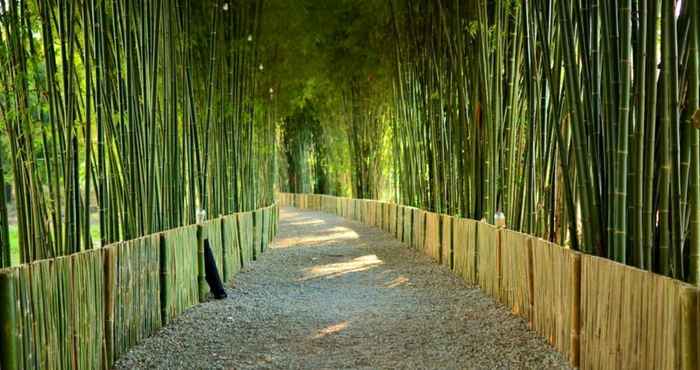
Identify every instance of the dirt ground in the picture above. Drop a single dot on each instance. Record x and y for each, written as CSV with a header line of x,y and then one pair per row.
x,y
332,293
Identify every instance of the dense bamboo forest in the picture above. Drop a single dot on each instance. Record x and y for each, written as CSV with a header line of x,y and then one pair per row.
x,y
125,118
545,151
577,121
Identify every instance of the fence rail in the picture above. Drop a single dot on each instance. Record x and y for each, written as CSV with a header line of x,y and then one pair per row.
x,y
83,311
598,313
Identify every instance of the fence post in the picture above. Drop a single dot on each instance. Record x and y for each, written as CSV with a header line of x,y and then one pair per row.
x,y
109,255
8,334
576,311
201,278
531,279
689,324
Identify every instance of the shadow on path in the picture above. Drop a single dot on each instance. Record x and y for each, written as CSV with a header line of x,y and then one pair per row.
x,y
332,293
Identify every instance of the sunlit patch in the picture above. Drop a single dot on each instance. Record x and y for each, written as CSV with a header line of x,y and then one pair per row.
x,y
306,222
334,270
334,235
331,329
401,280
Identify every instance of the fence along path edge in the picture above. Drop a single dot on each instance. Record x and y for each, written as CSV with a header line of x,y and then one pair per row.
x,y
599,313
84,310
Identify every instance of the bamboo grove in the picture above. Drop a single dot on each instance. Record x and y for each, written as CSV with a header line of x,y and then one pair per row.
x,y
335,128
144,111
576,119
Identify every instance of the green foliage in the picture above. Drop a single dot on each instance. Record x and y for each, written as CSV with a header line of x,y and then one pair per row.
x,y
333,56
145,110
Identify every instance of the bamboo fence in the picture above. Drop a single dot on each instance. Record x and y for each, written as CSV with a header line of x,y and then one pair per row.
x,y
599,313
132,293
245,237
432,236
84,310
446,240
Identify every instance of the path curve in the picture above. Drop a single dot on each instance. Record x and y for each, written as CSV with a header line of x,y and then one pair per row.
x,y
332,293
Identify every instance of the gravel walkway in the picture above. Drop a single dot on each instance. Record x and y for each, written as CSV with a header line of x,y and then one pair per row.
x,y
332,293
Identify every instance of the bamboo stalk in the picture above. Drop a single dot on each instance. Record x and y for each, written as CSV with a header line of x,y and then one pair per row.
x,y
10,359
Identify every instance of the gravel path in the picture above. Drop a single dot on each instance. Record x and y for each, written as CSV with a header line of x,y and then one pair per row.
x,y
332,293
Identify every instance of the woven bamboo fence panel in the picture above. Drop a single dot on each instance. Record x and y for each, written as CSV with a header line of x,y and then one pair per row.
x,y
392,219
328,204
45,323
369,212
285,199
446,240
267,222
346,203
213,232
132,288
179,271
379,215
464,249
341,207
376,214
132,291
88,286
317,204
516,288
631,319
265,215
386,214
232,249
44,298
269,232
488,258
418,237
408,235
258,230
362,211
432,236
557,282
353,210
335,205
400,223
245,237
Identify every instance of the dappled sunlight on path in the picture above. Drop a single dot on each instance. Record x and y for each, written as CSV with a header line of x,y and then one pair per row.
x,y
332,293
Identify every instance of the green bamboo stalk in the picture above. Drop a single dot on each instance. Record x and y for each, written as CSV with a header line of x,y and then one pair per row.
x,y
10,359
694,122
